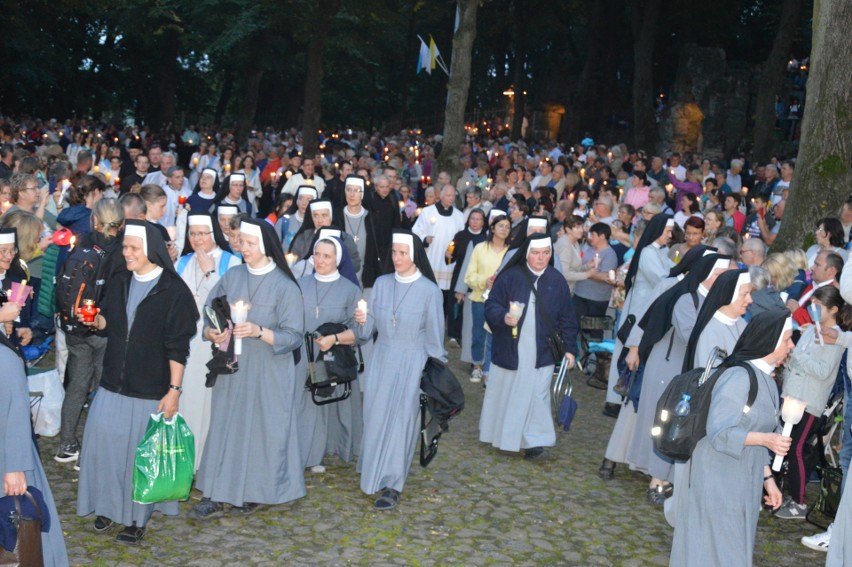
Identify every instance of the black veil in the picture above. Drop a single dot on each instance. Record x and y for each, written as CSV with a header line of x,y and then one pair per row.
x,y
653,231
218,237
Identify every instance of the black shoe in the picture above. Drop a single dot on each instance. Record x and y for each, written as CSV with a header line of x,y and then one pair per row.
x,y
536,454
206,509
657,495
388,500
607,470
68,453
611,409
103,524
246,509
131,535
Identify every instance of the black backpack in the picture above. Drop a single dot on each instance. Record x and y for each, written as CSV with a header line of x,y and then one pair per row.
x,y
80,277
442,398
675,437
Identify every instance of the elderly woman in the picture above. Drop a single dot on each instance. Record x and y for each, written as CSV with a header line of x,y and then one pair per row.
x,y
201,267
321,216
149,318
407,316
251,456
730,466
329,295
20,463
516,409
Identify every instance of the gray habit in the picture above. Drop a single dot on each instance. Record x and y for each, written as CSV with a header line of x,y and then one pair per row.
x,y
19,453
252,449
725,491
392,385
334,428
663,364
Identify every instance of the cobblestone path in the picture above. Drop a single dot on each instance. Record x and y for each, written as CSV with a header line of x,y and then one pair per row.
x,y
472,506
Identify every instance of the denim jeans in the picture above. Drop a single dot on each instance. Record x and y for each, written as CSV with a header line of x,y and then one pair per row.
x,y
477,344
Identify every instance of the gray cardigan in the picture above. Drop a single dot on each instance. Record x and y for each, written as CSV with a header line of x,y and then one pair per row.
x,y
812,370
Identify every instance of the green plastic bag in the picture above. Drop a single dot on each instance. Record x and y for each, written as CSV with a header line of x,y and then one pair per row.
x,y
165,461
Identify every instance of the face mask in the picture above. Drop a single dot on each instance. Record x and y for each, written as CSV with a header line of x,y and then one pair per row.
x,y
582,202
621,182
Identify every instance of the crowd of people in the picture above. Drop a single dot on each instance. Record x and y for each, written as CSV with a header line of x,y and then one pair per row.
x,y
528,242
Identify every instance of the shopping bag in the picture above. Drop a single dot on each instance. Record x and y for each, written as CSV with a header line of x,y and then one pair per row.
x,y
165,459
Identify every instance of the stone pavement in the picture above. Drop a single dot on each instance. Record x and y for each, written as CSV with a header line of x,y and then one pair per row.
x,y
473,505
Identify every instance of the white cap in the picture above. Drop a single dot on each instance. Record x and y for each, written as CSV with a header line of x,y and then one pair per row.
x,y
304,190
329,232
210,171
227,210
139,231
494,213
538,243
353,180
788,326
338,250
237,177
254,230
320,205
722,264
407,239
669,222
744,278
7,237
536,223
200,220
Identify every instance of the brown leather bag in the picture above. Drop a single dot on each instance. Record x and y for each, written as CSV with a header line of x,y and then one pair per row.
x,y
28,551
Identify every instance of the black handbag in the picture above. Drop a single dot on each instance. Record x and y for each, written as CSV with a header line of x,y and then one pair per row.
x,y
337,366
28,551
555,342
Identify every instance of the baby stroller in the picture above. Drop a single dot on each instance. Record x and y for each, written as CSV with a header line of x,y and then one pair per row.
x,y
593,339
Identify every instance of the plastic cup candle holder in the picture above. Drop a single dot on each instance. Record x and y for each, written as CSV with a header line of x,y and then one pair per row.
x,y
89,311
516,311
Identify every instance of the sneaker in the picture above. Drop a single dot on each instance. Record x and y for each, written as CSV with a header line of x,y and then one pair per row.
x,y
792,511
476,375
318,469
77,466
68,453
818,542
206,509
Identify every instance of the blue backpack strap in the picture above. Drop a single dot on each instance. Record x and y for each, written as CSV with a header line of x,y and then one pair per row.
x,y
182,262
224,260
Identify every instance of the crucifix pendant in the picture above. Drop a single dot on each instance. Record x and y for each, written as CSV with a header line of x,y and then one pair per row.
x,y
316,311
355,238
393,320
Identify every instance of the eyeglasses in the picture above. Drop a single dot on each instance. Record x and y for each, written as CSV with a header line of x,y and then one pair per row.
x,y
199,234
9,252
352,190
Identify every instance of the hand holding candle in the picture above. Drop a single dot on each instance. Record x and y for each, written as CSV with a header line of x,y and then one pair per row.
x,y
291,259
89,311
791,412
239,314
361,312
516,311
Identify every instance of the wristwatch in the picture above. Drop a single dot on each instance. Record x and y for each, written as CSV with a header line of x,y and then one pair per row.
x,y
336,340
179,389
260,334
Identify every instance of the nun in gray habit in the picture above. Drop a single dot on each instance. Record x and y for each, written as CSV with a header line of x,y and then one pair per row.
x,y
251,456
407,314
20,463
730,466
150,316
330,295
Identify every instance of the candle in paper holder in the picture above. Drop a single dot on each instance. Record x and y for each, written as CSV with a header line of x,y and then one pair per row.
x,y
516,311
791,412
239,314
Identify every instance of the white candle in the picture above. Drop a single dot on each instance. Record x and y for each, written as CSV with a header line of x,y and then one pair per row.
x,y
791,412
239,314
291,258
362,306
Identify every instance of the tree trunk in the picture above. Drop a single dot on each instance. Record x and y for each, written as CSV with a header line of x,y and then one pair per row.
x,y
224,97
823,177
166,79
404,81
644,36
772,80
457,88
248,108
520,69
326,11
582,112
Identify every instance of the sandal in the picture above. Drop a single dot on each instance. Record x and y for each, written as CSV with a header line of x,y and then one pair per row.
x,y
388,500
206,509
131,535
103,524
607,470
658,494
246,509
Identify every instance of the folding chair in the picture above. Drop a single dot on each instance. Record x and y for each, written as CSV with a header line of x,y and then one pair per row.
x,y
589,345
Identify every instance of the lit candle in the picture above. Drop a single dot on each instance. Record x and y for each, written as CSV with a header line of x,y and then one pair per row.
x,y
89,310
362,306
516,311
745,191
597,260
108,175
288,173
181,199
97,168
239,314
791,412
291,258
195,160
611,275
227,167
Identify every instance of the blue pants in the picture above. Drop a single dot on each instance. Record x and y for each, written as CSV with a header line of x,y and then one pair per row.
x,y
488,343
478,333
846,450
